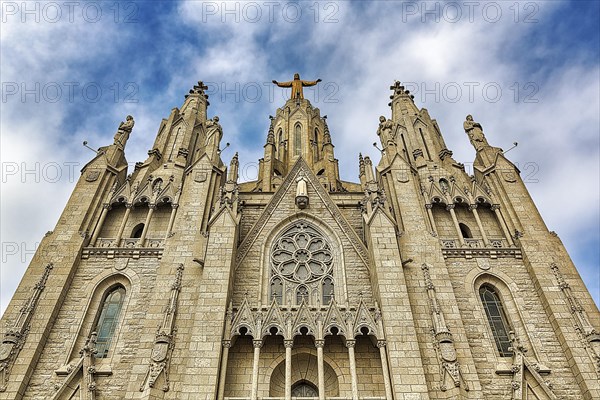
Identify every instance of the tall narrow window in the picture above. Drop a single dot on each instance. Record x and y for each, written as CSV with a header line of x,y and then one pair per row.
x,y
496,316
280,145
302,294
465,230
316,145
277,290
137,231
298,140
327,290
107,322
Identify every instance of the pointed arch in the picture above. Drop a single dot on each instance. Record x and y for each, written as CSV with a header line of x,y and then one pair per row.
x,y
108,319
297,139
497,319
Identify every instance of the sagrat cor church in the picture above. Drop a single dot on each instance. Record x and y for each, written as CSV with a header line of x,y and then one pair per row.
x,y
419,281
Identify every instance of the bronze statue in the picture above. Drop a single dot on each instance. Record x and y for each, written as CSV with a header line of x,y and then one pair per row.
x,y
475,133
297,84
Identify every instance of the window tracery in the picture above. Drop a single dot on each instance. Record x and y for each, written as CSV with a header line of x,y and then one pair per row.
x,y
301,266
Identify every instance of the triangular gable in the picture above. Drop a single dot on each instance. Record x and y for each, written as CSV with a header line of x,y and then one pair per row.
x,y
123,192
271,208
274,318
244,319
334,318
304,319
364,319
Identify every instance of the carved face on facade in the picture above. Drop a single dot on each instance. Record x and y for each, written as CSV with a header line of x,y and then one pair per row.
x,y
382,119
469,117
296,76
216,119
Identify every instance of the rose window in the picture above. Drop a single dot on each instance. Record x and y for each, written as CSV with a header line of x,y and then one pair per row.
x,y
301,266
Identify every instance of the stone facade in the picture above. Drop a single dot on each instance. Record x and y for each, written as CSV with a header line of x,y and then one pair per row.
x,y
175,281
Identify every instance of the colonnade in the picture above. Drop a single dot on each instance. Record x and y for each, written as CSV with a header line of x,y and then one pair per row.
x,y
128,208
320,346
473,208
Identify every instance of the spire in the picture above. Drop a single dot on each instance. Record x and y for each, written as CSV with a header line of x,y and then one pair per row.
x,y
234,165
402,101
271,134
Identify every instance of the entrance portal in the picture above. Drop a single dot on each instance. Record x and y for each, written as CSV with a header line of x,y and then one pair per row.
x,y
304,389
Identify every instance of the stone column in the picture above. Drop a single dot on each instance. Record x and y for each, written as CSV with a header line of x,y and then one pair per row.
x,y
502,222
171,220
151,208
128,208
105,209
461,239
320,344
350,345
288,368
385,368
431,220
257,345
473,208
223,377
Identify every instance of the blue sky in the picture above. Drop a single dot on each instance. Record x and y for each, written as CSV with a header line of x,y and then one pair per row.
x,y
145,55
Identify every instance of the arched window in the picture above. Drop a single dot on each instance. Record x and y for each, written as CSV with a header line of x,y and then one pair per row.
x,y
298,140
277,290
137,231
280,144
465,230
304,389
497,319
302,294
316,145
327,290
109,317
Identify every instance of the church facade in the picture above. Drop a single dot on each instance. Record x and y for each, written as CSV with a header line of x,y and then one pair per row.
x,y
418,281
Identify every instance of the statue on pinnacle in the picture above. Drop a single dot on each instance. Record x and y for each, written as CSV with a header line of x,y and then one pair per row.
x,y
297,84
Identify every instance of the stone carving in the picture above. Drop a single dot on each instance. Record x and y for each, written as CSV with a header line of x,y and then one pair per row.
x,y
475,133
163,343
124,131
301,262
269,210
88,354
521,363
386,131
290,321
442,339
214,133
297,84
589,335
15,337
301,194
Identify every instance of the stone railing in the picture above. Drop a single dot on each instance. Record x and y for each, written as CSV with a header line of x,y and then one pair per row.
x,y
497,247
127,248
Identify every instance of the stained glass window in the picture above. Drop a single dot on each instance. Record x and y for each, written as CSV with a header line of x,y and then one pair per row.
x,y
107,322
301,266
496,318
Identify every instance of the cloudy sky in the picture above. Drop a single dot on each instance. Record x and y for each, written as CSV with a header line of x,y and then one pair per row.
x,y
529,73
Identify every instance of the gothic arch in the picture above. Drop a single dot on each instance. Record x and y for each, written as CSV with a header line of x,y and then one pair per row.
x,y
99,288
339,273
506,289
304,370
